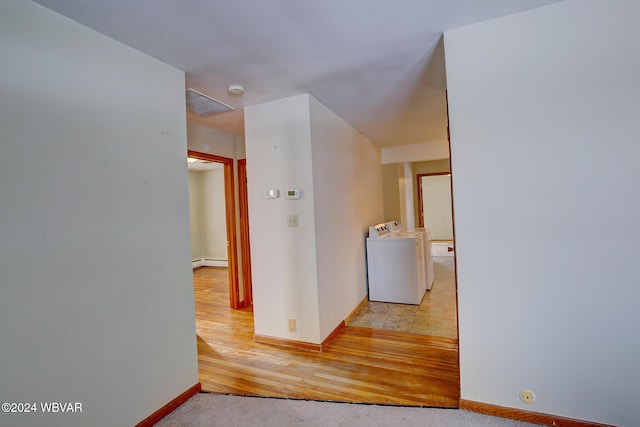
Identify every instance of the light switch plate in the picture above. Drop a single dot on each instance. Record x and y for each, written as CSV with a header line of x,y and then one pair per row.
x,y
272,193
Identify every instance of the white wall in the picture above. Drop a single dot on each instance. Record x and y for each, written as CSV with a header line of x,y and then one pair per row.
x,y
195,215
544,109
96,300
347,180
208,214
214,214
283,259
436,206
314,273
211,141
423,152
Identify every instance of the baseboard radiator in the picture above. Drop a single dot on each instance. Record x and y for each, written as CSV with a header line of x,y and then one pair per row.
x,y
209,262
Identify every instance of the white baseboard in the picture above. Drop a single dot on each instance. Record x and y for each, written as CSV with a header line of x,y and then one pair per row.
x,y
215,262
209,262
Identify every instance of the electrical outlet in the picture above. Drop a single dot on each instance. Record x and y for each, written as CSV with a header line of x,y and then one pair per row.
x,y
527,396
292,325
292,220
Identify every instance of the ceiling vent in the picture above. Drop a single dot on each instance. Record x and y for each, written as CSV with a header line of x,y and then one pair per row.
x,y
204,105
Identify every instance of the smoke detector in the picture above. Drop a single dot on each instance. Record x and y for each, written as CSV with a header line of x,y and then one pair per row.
x,y
204,105
235,89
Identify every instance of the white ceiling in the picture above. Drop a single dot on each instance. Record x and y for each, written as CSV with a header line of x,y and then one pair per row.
x,y
379,64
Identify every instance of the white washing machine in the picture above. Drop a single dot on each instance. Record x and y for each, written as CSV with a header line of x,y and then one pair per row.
x,y
395,227
395,265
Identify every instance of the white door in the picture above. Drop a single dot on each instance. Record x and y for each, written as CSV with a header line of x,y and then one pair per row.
x,y
436,206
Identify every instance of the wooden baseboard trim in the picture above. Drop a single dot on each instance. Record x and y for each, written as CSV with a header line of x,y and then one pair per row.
x,y
522,415
356,310
333,334
170,407
287,343
299,345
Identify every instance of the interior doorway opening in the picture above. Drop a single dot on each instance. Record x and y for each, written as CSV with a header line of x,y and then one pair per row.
x,y
239,297
434,204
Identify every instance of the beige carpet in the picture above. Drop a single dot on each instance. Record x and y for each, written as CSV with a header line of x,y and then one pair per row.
x,y
208,409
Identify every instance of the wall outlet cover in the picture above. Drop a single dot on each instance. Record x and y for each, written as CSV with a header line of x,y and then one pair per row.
x,y
527,396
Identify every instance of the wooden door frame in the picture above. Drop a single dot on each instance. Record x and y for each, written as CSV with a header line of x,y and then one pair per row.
x,y
245,249
419,187
230,214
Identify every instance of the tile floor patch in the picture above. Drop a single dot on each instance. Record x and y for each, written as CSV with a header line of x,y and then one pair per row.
x,y
436,314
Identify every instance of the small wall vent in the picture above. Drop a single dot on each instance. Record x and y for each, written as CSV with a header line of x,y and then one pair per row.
x,y
204,105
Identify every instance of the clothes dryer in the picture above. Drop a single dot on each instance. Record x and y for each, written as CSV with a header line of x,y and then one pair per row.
x,y
396,226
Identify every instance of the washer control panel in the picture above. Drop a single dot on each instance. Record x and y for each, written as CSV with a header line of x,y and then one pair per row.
x,y
378,230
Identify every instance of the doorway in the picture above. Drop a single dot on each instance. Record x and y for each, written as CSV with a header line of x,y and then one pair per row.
x,y
436,315
236,298
434,204
243,201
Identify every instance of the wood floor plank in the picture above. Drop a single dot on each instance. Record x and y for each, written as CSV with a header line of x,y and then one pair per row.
x,y
359,365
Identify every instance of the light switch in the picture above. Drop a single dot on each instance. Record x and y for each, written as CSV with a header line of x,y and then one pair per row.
x,y
292,220
272,193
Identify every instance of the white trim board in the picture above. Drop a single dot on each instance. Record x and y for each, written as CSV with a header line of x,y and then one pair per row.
x,y
209,262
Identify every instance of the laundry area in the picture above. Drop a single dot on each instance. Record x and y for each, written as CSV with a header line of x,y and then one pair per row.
x,y
411,282
399,265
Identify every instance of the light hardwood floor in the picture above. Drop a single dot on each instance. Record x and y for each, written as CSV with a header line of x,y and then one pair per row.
x,y
359,365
